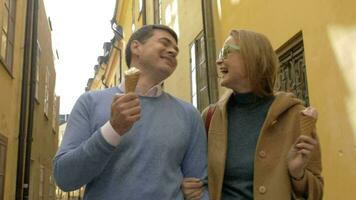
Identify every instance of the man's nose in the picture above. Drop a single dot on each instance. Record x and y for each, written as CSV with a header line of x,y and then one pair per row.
x,y
172,52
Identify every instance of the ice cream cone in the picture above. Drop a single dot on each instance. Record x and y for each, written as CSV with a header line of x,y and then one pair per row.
x,y
131,79
307,123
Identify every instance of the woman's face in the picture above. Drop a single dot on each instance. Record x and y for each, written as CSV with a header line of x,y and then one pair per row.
x,y
231,67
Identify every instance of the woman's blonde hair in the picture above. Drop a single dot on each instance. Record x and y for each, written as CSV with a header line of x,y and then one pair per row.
x,y
260,60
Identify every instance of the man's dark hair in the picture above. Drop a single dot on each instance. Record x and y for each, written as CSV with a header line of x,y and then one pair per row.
x,y
144,33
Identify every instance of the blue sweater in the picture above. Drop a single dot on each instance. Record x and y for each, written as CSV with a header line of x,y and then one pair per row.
x,y
165,145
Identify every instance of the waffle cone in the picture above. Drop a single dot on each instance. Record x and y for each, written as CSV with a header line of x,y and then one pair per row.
x,y
307,124
131,82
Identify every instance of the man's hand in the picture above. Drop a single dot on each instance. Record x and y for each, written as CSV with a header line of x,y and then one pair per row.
x,y
192,188
125,111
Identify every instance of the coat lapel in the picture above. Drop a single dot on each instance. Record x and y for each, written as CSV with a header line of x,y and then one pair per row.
x,y
218,142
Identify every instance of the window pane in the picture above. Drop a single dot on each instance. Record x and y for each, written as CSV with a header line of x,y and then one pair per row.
x,y
140,5
192,57
3,45
203,98
2,187
2,159
195,101
10,31
3,143
7,3
194,82
203,82
5,20
202,50
12,8
9,55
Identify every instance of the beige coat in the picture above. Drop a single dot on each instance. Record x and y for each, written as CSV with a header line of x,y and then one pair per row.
x,y
278,133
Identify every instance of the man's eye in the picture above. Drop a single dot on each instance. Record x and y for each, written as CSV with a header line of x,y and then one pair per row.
x,y
165,44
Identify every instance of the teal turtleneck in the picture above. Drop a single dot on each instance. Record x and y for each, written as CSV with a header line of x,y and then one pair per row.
x,y
246,114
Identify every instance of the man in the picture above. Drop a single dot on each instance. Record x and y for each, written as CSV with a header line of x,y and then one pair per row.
x,y
134,146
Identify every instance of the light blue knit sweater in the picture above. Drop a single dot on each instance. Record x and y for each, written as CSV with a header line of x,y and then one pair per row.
x,y
165,145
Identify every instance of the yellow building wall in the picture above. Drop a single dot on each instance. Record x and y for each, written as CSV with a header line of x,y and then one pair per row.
x,y
10,88
150,12
124,18
329,34
130,19
185,18
45,135
186,22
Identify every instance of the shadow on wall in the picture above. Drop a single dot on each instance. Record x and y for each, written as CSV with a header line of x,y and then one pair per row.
x,y
334,82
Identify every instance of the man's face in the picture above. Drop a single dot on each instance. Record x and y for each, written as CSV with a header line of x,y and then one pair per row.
x,y
158,55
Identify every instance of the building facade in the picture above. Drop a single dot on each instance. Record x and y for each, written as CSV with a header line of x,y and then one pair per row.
x,y
28,105
11,62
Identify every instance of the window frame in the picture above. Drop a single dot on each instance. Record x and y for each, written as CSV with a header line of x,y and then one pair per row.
x,y
55,112
46,94
140,9
157,11
293,77
199,88
3,142
38,74
7,60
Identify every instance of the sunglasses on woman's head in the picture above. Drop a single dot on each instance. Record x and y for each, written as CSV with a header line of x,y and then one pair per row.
x,y
228,48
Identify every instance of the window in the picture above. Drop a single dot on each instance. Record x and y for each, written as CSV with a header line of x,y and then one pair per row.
x,y
3,147
157,7
119,73
133,27
292,75
54,114
40,190
199,76
7,26
52,187
38,56
46,97
140,7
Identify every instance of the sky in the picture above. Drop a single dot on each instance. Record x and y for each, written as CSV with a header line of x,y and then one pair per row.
x,y
80,28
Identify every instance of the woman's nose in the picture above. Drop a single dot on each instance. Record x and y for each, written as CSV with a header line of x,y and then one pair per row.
x,y
219,61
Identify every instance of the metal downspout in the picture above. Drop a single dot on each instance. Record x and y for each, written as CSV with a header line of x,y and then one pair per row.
x,y
26,189
210,49
24,95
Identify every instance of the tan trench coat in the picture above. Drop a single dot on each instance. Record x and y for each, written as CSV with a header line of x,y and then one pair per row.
x,y
278,133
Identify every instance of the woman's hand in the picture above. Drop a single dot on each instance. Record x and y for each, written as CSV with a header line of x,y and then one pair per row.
x,y
300,154
192,188
301,151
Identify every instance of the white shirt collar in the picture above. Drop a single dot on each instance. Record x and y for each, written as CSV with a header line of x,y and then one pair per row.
x,y
154,91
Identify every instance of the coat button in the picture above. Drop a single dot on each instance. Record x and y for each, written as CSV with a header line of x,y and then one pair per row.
x,y
274,122
262,154
262,189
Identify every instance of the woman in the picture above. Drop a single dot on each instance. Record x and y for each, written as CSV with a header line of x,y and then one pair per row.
x,y
255,146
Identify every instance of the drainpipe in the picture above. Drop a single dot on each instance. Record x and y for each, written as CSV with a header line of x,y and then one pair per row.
x,y
210,49
144,20
29,138
24,95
